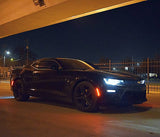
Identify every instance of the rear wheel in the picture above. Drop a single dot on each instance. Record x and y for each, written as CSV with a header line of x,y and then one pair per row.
x,y
19,92
84,97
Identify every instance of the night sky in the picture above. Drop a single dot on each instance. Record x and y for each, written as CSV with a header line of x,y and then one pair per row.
x,y
131,31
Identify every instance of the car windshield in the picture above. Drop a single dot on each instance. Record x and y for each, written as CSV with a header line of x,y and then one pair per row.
x,y
91,64
74,64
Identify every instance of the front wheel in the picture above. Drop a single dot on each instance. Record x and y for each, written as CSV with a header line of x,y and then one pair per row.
x,y
84,97
18,91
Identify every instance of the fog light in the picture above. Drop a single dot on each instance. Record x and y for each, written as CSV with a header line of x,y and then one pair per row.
x,y
111,91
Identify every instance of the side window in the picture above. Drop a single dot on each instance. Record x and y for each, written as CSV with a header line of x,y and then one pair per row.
x,y
46,65
43,65
35,65
54,65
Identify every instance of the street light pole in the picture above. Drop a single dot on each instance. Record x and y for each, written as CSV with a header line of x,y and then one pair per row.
x,y
4,61
27,47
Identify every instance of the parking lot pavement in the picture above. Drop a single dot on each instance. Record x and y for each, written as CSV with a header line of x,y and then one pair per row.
x,y
153,100
5,88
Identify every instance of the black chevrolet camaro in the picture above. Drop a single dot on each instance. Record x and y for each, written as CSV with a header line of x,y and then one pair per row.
x,y
77,81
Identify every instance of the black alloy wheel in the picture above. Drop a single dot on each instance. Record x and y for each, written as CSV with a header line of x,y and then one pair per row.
x,y
84,97
18,91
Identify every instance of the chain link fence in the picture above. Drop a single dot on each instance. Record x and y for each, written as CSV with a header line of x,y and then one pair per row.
x,y
4,72
148,69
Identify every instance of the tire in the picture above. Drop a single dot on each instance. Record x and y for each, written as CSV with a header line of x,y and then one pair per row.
x,y
18,91
84,97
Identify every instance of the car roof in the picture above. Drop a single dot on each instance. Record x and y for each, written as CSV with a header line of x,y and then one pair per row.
x,y
50,59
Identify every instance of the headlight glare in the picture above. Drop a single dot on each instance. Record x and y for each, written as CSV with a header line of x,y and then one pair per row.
x,y
113,81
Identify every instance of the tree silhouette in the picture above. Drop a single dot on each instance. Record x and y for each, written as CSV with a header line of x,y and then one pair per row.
x,y
20,55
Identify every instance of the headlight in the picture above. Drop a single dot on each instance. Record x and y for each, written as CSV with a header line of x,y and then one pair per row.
x,y
113,81
141,82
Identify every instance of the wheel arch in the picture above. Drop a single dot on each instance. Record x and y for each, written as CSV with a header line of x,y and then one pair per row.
x,y
16,79
79,81
13,79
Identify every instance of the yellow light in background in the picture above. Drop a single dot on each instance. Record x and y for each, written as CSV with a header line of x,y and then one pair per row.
x,y
12,59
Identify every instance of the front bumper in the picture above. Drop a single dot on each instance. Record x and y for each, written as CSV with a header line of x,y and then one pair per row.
x,y
135,94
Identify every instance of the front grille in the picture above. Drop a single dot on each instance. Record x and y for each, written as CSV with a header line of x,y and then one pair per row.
x,y
130,82
134,96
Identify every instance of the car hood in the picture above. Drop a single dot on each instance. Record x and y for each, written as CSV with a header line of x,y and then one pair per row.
x,y
117,75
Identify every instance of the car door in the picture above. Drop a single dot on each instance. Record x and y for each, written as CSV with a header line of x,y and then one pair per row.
x,y
48,78
27,77
35,81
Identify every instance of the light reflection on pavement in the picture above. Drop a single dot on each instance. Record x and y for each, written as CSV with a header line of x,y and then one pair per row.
x,y
41,118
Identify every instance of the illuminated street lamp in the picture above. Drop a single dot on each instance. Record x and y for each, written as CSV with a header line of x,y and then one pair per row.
x,y
5,53
11,59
